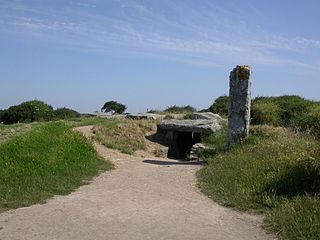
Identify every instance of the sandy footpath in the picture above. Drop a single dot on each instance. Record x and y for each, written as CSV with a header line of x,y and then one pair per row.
x,y
143,198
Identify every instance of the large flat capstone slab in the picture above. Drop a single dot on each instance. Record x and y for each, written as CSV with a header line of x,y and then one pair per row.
x,y
202,126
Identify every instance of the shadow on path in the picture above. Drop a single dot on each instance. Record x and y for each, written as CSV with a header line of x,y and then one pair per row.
x,y
168,163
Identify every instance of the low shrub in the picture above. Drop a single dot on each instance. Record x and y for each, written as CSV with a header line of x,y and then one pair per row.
x,y
182,109
292,109
265,112
311,121
220,106
155,111
65,113
288,111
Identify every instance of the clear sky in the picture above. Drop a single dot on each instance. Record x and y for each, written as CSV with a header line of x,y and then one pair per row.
x,y
150,54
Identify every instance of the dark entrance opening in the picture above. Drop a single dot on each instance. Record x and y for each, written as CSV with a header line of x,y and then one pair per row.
x,y
182,143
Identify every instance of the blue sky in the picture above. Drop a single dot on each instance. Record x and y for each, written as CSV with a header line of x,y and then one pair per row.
x,y
150,54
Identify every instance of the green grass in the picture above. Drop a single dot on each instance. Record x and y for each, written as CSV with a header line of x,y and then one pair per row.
x,y
85,121
297,218
277,172
51,159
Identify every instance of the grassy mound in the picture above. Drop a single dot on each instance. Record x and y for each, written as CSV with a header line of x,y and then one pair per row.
x,y
49,160
127,136
276,172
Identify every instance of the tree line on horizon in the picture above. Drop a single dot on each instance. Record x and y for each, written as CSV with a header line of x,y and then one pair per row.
x,y
287,111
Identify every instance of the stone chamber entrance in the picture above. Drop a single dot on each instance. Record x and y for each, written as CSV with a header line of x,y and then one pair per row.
x,y
182,143
181,135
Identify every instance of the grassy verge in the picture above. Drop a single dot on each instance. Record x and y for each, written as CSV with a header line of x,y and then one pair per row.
x,y
84,121
127,136
276,172
49,160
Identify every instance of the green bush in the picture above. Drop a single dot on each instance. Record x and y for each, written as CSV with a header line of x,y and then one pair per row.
x,y
220,106
2,112
29,111
293,109
312,121
65,113
178,109
288,111
265,112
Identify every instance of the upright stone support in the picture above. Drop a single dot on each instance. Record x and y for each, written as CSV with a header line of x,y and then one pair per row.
x,y
240,104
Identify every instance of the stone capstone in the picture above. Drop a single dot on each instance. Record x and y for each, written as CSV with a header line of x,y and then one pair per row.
x,y
202,126
145,116
206,116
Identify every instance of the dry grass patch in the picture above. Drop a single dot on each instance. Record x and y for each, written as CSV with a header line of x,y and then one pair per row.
x,y
127,136
9,131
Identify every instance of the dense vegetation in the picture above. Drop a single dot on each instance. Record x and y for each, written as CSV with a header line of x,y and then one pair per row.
x,y
34,111
220,106
180,109
277,171
48,160
29,111
65,113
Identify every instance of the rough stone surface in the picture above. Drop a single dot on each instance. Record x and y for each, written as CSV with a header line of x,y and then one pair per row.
x,y
198,126
206,116
193,151
104,115
146,116
240,104
181,135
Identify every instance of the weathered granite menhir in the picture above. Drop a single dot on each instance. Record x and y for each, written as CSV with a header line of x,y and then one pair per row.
x,y
240,104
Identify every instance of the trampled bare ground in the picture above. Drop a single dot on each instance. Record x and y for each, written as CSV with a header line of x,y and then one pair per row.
x,y
143,198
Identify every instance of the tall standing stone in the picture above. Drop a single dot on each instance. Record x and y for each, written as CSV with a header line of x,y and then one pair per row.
x,y
240,104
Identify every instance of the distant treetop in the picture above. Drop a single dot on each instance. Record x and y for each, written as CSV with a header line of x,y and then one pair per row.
x,y
113,106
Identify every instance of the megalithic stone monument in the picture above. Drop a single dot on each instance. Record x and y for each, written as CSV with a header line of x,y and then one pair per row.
x,y
239,105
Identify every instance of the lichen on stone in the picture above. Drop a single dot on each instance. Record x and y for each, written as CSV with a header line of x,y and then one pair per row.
x,y
244,72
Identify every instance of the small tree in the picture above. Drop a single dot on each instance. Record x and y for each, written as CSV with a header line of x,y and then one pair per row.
x,y
220,105
113,106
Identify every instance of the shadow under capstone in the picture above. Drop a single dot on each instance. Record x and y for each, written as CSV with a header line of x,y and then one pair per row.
x,y
172,163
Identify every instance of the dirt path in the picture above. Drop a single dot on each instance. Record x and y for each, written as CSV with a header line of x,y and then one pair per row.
x,y
143,198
